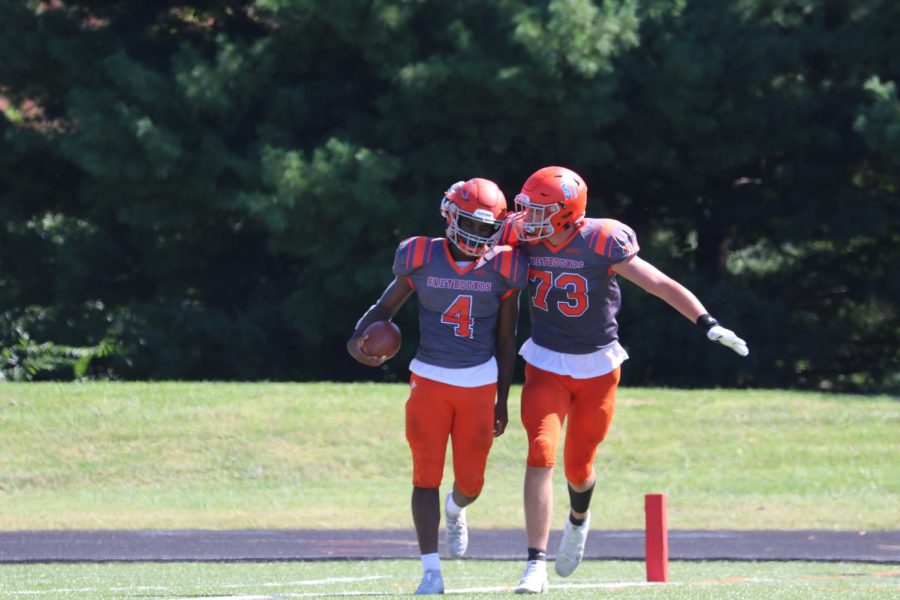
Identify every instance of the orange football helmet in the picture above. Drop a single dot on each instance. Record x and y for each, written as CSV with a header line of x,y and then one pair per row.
x,y
473,211
552,199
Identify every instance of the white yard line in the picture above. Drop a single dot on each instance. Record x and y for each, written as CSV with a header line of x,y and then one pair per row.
x,y
163,588
473,590
560,586
290,595
610,585
306,581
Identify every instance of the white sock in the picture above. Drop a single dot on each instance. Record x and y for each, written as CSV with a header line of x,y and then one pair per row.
x,y
431,562
451,507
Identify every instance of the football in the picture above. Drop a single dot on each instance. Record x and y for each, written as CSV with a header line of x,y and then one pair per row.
x,y
383,339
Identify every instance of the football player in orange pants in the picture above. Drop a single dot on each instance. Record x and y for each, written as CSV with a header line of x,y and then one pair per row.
x,y
573,355
467,292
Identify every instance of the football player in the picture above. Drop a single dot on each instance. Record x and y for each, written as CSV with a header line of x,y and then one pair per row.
x,y
573,356
467,290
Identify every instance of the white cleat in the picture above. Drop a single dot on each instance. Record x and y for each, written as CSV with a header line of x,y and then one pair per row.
x,y
571,546
457,532
432,583
534,579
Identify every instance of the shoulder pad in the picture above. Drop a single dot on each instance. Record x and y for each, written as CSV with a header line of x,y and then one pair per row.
x,y
613,239
511,264
414,252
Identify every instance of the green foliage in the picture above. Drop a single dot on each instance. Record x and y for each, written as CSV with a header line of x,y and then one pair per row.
x,y
23,359
879,122
217,189
29,361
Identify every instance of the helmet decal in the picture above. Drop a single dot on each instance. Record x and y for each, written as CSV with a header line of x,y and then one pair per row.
x,y
553,199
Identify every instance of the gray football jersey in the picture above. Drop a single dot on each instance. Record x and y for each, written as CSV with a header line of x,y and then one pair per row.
x,y
458,307
573,295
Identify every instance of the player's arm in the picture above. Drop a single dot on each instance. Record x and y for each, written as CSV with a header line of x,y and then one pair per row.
x,y
394,296
509,233
506,357
651,279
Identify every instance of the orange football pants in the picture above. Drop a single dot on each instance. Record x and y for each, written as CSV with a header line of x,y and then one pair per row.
x,y
437,411
548,399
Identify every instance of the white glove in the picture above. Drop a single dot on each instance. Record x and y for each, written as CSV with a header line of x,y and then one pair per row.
x,y
727,337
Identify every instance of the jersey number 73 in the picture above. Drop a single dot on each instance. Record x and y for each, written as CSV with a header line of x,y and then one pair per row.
x,y
574,285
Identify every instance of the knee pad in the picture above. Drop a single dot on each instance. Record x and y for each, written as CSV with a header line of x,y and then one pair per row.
x,y
578,474
427,474
470,486
542,452
425,480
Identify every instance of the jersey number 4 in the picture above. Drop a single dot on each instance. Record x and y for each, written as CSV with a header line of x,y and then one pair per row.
x,y
575,286
459,316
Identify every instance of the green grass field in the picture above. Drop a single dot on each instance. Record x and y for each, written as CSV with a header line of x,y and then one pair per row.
x,y
221,455
216,455
465,579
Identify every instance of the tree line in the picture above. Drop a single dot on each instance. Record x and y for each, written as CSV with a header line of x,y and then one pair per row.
x,y
215,190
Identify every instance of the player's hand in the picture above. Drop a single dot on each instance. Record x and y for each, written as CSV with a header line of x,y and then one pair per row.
x,y
500,419
726,337
355,348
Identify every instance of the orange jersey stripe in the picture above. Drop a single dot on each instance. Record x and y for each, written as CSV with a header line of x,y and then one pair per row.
x,y
504,264
408,251
419,253
508,236
600,247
